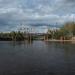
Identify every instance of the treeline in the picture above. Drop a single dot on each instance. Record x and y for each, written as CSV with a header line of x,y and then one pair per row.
x,y
15,36
67,31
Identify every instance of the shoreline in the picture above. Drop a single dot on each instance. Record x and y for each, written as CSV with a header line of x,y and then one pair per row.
x,y
53,40
61,40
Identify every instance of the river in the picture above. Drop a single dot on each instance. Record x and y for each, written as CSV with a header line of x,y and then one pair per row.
x,y
37,58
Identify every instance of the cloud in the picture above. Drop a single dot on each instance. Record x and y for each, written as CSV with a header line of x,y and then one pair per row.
x,y
16,12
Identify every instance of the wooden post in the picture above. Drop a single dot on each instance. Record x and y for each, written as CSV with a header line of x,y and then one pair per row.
x,y
47,36
44,37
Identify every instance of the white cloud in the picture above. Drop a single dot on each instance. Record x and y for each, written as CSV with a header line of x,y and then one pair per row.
x,y
7,10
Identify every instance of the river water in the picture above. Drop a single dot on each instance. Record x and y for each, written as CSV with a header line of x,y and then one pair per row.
x,y
37,58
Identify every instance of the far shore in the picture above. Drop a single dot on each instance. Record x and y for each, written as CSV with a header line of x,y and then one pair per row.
x,y
54,40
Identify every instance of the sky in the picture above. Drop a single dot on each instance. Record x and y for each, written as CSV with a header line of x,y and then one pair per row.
x,y
35,14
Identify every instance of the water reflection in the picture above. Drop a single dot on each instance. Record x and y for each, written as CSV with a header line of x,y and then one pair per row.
x,y
37,58
67,51
14,43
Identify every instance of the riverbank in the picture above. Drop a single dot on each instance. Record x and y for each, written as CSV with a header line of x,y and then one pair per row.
x,y
54,40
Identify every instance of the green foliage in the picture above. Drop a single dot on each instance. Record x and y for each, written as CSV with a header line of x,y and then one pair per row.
x,y
19,36
69,28
12,36
67,31
57,34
